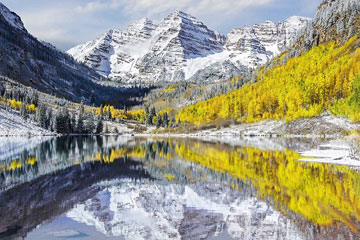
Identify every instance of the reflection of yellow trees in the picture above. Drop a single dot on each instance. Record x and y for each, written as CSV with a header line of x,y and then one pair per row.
x,y
17,164
111,155
106,156
324,194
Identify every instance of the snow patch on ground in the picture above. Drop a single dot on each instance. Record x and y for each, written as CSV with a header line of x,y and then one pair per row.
x,y
322,126
11,124
338,152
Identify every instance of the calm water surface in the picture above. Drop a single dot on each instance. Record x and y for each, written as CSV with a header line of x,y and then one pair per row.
x,y
142,188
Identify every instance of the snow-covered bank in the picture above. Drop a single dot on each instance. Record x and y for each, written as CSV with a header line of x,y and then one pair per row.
x,y
322,126
11,124
338,152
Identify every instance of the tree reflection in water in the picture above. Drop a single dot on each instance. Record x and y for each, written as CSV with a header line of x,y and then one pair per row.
x,y
59,175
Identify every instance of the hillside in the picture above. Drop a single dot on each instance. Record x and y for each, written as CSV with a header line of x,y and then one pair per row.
x,y
324,79
12,124
39,65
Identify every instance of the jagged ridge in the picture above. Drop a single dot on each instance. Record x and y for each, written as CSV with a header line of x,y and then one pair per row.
x,y
182,48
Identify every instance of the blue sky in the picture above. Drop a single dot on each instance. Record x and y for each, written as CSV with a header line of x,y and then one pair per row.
x,y
66,23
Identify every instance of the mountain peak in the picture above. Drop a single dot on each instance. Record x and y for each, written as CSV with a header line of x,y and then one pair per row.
x,y
144,25
12,18
297,20
141,23
181,47
180,15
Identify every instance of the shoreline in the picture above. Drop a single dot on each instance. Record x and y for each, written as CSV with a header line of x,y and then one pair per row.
x,y
312,148
324,139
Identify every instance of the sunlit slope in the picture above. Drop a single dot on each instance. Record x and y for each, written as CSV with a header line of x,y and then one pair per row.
x,y
304,86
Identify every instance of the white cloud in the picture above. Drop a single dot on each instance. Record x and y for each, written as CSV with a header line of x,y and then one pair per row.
x,y
93,7
155,7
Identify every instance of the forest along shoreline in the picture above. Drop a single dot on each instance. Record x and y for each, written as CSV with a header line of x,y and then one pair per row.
x,y
324,126
324,139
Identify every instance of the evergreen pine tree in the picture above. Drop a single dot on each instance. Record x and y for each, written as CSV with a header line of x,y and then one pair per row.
x,y
90,125
2,91
109,116
49,119
66,121
158,121
57,122
165,120
41,116
153,111
101,112
116,131
73,123
23,112
80,120
80,125
151,115
99,127
149,120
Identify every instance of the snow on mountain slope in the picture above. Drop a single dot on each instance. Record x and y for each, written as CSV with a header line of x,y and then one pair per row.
x,y
181,48
156,211
12,18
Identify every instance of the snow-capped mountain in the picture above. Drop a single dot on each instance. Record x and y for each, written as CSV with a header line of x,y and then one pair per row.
x,y
182,48
172,211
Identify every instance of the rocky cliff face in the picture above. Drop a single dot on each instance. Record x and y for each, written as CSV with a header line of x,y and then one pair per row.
x,y
335,20
182,48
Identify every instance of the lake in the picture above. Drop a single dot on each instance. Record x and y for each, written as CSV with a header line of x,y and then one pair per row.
x,y
164,188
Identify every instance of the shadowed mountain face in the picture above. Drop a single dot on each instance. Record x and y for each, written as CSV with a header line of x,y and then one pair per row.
x,y
37,64
40,65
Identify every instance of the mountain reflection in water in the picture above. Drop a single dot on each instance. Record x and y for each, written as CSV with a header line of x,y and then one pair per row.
x,y
141,188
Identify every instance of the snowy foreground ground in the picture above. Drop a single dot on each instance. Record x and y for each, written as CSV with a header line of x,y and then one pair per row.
x,y
11,124
326,125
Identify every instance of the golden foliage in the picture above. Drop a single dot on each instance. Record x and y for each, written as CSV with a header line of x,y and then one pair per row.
x,y
304,87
